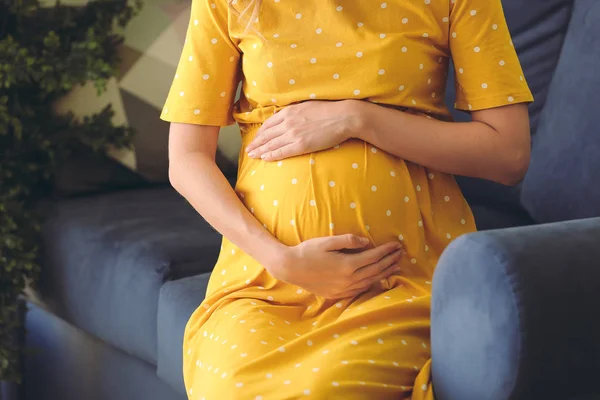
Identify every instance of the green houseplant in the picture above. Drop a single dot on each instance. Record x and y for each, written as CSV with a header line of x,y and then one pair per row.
x,y
46,50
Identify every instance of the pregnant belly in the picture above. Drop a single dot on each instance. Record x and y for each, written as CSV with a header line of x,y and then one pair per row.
x,y
352,188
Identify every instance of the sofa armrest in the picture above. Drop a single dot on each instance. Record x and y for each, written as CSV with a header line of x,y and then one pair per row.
x,y
106,257
515,314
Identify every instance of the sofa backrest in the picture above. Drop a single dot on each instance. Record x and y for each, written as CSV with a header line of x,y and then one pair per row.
x,y
538,29
563,181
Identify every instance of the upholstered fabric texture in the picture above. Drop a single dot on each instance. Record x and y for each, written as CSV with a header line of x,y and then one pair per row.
x,y
64,363
490,217
563,181
178,300
514,314
107,257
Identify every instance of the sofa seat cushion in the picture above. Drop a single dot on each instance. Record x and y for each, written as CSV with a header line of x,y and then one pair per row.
x,y
178,300
488,217
106,258
563,179
68,364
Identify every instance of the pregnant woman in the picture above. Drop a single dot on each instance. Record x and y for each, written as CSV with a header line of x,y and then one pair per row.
x,y
346,195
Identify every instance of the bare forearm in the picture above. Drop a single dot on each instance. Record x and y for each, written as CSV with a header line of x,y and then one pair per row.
x,y
473,149
198,179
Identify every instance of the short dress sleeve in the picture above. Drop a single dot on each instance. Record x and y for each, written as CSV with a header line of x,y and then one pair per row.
x,y
207,76
488,71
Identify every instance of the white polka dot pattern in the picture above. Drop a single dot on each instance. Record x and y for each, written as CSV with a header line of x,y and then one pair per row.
x,y
478,43
358,54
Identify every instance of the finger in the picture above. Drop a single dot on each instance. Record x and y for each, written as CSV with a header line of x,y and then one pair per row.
x,y
367,285
375,254
272,145
342,242
390,270
265,132
376,268
275,119
263,138
286,151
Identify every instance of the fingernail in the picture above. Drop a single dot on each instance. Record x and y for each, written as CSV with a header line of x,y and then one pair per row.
x,y
252,154
264,157
364,240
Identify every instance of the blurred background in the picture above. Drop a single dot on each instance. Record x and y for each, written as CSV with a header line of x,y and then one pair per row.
x,y
102,262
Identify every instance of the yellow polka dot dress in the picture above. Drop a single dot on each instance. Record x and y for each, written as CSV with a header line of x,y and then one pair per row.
x,y
258,338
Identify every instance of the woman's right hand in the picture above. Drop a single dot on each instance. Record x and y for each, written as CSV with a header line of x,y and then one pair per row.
x,y
337,267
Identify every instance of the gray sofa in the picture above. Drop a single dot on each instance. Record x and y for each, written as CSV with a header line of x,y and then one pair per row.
x,y
514,313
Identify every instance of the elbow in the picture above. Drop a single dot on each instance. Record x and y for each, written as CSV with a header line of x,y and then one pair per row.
x,y
516,167
510,134
173,176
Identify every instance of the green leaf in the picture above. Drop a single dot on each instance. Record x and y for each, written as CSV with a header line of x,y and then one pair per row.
x,y
44,52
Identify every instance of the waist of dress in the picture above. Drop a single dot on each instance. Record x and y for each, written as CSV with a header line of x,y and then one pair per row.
x,y
253,119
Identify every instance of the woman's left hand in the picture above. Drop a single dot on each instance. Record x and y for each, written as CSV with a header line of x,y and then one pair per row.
x,y
304,128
